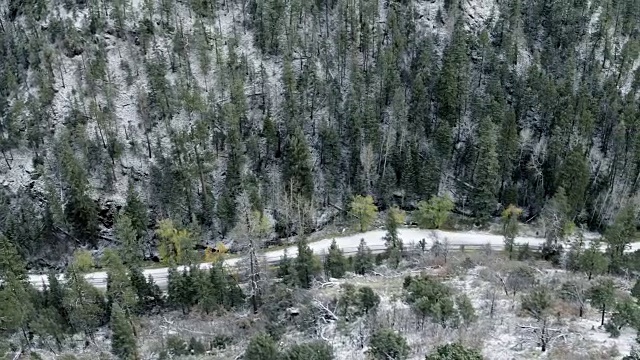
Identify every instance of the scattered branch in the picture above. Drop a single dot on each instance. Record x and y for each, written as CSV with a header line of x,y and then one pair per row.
x,y
328,314
183,329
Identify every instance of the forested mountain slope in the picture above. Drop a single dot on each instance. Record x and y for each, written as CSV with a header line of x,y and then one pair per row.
x,y
227,116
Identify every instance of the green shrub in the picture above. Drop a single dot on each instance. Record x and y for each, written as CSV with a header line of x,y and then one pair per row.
x,y
196,347
221,341
386,344
454,352
316,350
176,346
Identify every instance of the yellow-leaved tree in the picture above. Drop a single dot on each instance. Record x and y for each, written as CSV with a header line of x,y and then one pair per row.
x,y
434,213
363,208
510,227
176,245
215,254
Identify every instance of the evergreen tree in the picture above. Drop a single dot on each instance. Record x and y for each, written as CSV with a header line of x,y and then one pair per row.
x,y
507,148
16,309
306,265
317,350
368,300
335,264
287,271
574,179
123,341
483,195
602,295
452,86
620,234
183,288
431,299
466,310
635,291
80,210
149,295
262,347
395,218
555,216
136,211
386,344
363,260
297,164
119,287
130,243
454,351
592,261
83,303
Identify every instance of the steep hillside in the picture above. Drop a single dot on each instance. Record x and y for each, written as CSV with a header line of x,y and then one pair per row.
x,y
247,116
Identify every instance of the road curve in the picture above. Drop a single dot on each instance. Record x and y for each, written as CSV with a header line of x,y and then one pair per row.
x,y
349,244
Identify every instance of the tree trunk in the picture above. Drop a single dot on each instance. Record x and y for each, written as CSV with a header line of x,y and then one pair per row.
x,y
254,278
581,310
603,310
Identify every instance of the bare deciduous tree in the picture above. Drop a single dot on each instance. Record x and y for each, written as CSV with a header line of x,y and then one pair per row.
x,y
576,291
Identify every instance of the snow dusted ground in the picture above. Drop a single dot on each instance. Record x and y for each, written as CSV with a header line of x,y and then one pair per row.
x,y
500,337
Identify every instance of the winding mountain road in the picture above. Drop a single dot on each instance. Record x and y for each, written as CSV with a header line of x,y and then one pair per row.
x,y
349,244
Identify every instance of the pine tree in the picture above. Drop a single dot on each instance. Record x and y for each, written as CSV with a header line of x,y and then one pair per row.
x,y
386,344
130,243
335,264
287,271
454,351
507,148
207,295
574,179
363,260
119,287
466,310
80,210
483,195
262,347
297,164
11,263
592,261
16,309
452,86
123,341
602,295
368,300
149,295
555,215
306,265
83,302
395,218
316,350
136,211
620,234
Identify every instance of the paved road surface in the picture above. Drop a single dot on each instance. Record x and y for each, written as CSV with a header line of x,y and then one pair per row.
x,y
348,244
